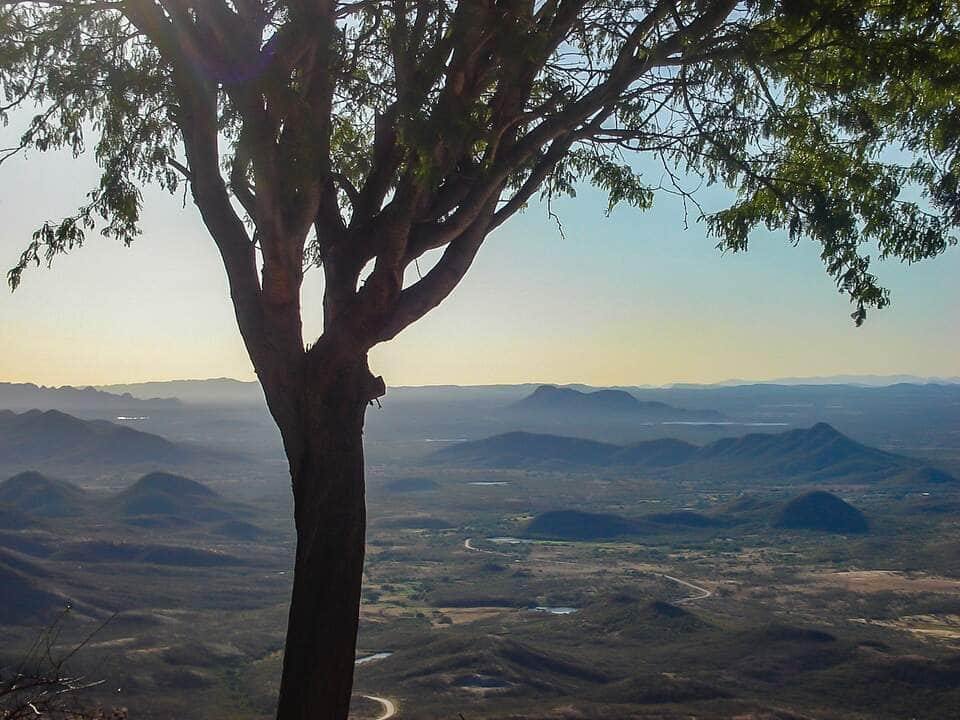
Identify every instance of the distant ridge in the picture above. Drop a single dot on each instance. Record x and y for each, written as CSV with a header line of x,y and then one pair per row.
x,y
39,438
26,396
212,391
857,380
156,500
818,453
815,511
564,403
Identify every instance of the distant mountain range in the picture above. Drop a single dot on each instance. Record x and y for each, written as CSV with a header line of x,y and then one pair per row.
x,y
214,391
42,438
26,396
816,453
862,380
549,402
228,391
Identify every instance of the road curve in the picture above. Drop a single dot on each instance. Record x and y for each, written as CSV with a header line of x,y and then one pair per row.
x,y
703,592
470,546
389,708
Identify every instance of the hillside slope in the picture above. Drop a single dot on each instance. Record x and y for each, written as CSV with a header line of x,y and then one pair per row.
x,y
38,438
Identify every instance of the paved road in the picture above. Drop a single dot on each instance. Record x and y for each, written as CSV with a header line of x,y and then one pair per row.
x,y
702,593
389,708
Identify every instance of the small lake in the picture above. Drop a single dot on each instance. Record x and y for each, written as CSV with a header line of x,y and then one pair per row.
x,y
372,658
555,610
509,541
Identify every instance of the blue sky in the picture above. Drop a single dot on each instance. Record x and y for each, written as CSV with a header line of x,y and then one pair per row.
x,y
630,299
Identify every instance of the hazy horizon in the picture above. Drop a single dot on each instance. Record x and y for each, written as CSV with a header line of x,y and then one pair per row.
x,y
633,299
878,380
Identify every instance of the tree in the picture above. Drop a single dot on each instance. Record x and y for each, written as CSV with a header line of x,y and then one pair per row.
x,y
38,684
356,136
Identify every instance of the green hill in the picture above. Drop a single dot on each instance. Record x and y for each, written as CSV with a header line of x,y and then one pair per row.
x,y
822,511
35,494
172,496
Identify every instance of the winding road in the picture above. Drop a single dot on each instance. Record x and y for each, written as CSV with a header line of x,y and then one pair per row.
x,y
701,592
389,707
469,546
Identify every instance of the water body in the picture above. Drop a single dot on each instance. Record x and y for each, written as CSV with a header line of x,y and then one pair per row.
x,y
555,610
372,658
509,541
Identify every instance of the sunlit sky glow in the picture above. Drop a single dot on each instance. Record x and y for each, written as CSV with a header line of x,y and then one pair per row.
x,y
630,299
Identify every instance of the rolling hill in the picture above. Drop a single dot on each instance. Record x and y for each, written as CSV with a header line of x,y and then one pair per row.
x,y
172,499
24,599
823,511
158,500
35,494
816,453
39,438
817,511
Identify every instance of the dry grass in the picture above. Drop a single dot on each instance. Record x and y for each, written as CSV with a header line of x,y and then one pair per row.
x,y
874,581
932,627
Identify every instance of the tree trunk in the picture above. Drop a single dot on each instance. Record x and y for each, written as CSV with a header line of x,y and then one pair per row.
x,y
326,465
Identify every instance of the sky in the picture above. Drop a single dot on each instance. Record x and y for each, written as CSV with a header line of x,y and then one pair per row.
x,y
631,299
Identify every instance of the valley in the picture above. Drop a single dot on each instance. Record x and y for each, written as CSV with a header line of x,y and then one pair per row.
x,y
801,570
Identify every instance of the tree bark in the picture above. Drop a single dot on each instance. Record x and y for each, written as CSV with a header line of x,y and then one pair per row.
x,y
326,465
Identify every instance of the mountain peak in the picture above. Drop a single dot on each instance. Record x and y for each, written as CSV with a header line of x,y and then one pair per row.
x,y
560,399
606,399
825,429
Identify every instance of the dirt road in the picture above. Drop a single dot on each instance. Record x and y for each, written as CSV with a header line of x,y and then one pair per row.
x,y
389,708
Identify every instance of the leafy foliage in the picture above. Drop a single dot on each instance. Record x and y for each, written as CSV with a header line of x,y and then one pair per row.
x,y
350,132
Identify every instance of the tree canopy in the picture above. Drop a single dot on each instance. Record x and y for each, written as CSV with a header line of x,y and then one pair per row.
x,y
359,135
325,132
